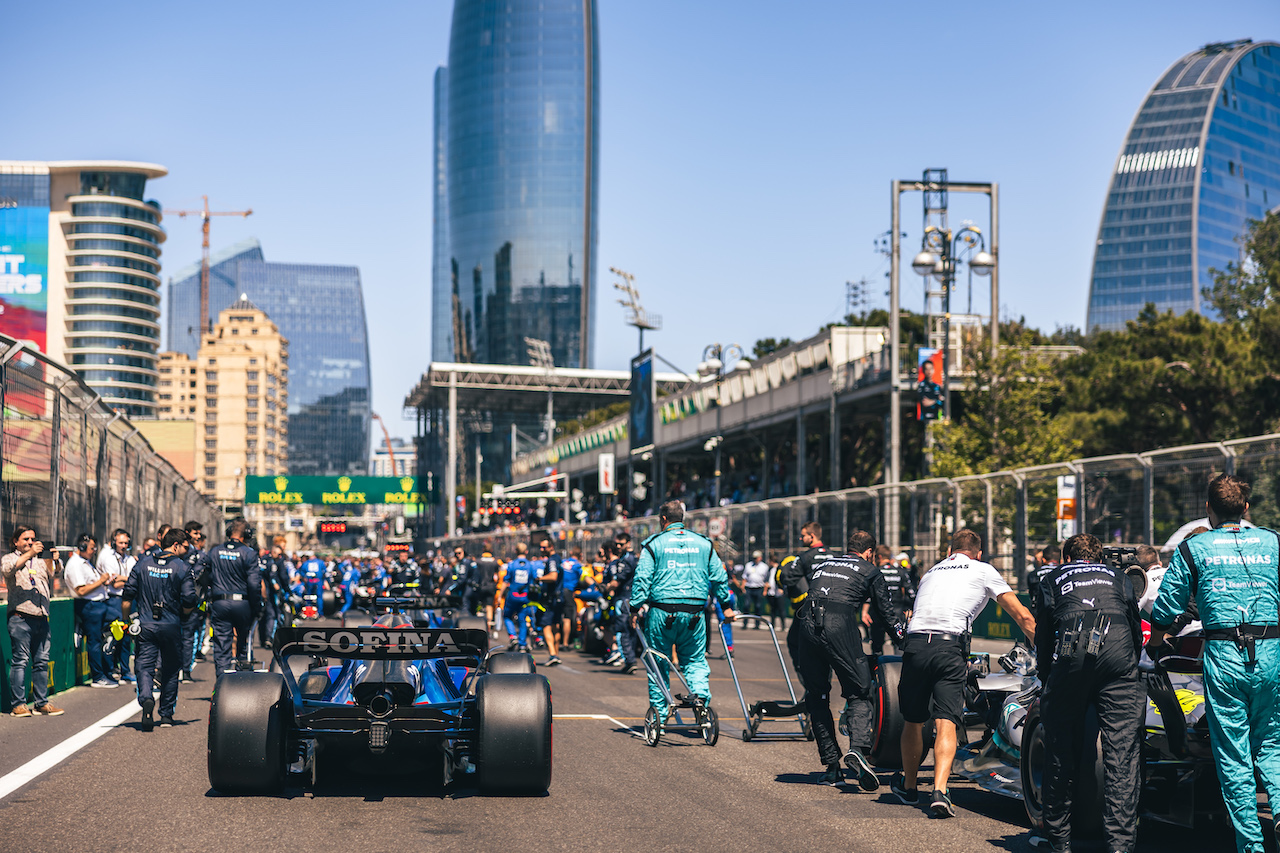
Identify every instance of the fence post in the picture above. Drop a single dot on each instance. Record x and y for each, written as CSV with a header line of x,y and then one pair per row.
x,y
1020,533
9,353
1148,501
990,516
55,469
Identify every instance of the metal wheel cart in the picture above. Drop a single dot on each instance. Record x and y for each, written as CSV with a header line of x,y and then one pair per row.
x,y
765,710
705,721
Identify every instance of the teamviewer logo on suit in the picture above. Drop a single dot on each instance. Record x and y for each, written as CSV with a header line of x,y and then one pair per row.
x,y
1219,584
1067,587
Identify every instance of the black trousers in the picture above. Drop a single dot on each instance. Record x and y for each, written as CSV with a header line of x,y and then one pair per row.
x,y
1113,687
159,648
829,640
232,623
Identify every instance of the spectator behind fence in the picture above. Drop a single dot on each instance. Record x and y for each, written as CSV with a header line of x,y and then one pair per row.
x,y
89,587
117,561
27,577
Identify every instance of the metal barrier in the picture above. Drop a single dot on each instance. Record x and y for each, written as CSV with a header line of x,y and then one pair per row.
x,y
71,465
1129,500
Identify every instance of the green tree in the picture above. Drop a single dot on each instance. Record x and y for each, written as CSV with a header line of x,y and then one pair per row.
x,y
1168,380
1011,414
1244,293
768,346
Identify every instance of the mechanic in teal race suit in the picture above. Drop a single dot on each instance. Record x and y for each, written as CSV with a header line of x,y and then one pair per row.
x,y
1232,572
678,569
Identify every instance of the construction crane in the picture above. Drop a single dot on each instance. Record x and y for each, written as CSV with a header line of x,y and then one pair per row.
x,y
204,215
387,436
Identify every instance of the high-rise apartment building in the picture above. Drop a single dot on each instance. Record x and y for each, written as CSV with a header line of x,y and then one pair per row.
x,y
1201,157
320,311
80,271
241,412
516,153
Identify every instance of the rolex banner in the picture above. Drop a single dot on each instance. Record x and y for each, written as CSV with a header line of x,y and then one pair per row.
x,y
332,491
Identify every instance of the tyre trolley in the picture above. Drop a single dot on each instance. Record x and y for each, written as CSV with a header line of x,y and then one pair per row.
x,y
765,710
705,721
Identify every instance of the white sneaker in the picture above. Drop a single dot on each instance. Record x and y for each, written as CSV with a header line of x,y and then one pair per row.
x,y
105,683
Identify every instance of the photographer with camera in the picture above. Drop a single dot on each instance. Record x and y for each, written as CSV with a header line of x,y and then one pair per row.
x,y
235,595
158,594
1088,637
1231,571
26,575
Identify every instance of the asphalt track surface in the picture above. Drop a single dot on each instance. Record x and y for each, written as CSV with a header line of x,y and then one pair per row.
x,y
130,790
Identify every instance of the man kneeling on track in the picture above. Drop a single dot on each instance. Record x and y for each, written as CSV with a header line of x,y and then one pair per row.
x,y
678,569
935,660
829,638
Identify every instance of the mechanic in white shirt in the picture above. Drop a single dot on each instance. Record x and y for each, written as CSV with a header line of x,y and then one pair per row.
x,y
755,577
935,660
118,561
89,587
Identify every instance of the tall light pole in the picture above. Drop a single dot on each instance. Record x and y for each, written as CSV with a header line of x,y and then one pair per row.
x,y
636,315
714,359
938,257
897,188
540,356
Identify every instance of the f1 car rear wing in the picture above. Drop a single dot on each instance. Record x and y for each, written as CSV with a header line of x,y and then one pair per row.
x,y
419,602
381,643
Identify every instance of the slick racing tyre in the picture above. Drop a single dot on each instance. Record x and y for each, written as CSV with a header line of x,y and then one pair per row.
x,y
592,630
886,716
511,663
513,741
1086,799
248,722
329,603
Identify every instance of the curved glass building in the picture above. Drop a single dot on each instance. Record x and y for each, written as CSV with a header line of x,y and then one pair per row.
x,y
80,271
517,152
1201,157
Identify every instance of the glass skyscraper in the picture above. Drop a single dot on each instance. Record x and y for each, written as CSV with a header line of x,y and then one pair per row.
x,y
183,300
517,131
1202,156
320,310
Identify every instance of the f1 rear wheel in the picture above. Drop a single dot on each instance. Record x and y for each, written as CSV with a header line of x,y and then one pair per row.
x,y
513,743
248,734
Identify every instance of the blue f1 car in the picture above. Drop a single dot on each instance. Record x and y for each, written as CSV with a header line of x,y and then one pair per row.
x,y
400,693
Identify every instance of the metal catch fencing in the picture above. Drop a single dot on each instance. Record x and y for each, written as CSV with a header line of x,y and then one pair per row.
x,y
1130,499
71,465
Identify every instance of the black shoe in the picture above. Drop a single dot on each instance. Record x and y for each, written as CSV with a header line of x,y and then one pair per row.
x,y
188,676
148,722
628,669
941,805
166,722
857,762
1042,842
907,796
833,776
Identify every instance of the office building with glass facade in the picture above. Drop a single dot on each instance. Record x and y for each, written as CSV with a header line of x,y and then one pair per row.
x,y
319,309
516,152
80,271
182,302
1201,158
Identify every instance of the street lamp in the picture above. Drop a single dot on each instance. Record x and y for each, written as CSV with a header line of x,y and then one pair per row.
x,y
939,255
714,358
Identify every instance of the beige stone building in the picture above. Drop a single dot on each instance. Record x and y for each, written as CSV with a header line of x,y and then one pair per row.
x,y
236,393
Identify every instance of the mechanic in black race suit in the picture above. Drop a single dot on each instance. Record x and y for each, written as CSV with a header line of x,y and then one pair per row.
x,y
902,593
274,568
486,587
158,593
619,573
792,575
193,623
235,596
830,639
1088,639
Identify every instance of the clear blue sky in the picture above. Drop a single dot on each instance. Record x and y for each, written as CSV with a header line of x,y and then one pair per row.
x,y
747,147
